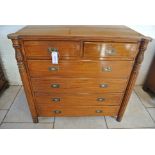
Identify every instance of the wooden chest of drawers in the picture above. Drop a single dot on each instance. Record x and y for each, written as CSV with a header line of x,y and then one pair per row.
x,y
95,75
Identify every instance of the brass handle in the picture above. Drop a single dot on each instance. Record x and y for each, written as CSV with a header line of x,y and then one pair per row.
x,y
99,111
56,99
107,69
103,85
53,68
55,85
50,49
110,52
100,99
57,111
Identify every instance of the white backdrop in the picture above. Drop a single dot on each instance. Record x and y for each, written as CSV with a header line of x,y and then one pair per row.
x,y
7,53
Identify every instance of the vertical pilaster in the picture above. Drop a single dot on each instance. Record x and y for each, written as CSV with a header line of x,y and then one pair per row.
x,y
25,79
133,77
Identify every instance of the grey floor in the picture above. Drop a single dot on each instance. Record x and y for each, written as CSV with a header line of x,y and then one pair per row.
x,y
14,114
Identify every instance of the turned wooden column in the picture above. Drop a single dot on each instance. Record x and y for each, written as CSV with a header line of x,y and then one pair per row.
x,y
24,77
133,76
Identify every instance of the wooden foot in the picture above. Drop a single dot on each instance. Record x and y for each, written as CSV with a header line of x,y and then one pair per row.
x,y
119,119
145,88
35,120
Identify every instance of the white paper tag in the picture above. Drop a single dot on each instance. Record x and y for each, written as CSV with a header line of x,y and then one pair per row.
x,y
54,57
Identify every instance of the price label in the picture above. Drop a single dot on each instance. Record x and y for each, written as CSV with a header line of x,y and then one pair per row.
x,y
54,56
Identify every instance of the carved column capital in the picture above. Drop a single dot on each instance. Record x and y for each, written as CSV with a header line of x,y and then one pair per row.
x,y
18,53
142,49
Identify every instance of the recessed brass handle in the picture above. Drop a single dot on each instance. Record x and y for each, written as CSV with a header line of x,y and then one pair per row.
x,y
104,85
57,111
100,99
107,69
55,85
53,68
110,52
50,49
56,99
99,111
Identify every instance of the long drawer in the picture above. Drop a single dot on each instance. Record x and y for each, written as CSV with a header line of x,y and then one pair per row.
x,y
78,85
105,69
78,99
48,111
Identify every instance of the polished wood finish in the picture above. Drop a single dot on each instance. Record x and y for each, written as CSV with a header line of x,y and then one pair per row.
x,y
102,49
97,69
78,85
119,69
78,99
40,48
77,111
110,33
25,78
133,77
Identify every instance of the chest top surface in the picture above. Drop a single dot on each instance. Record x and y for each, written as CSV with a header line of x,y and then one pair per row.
x,y
79,32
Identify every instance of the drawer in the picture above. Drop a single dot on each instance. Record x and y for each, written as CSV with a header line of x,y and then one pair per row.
x,y
105,69
78,85
101,49
77,111
78,99
41,48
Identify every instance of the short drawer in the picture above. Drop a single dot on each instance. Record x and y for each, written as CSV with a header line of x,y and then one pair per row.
x,y
101,50
41,48
78,85
105,69
78,99
77,111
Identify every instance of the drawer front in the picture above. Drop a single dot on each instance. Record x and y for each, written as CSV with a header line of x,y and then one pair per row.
x,y
41,48
100,50
77,111
78,85
78,99
106,69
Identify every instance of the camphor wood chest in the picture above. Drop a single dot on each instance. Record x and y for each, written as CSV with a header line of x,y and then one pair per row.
x,y
95,75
